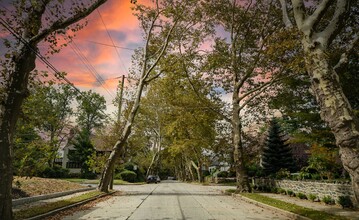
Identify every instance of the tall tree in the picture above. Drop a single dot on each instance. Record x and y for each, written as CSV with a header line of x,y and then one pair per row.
x,y
188,127
29,25
320,25
49,110
159,22
90,111
82,153
239,63
276,153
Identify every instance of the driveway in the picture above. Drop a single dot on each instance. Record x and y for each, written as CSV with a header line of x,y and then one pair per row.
x,y
174,200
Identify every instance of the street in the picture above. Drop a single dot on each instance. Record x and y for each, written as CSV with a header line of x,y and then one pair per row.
x,y
173,200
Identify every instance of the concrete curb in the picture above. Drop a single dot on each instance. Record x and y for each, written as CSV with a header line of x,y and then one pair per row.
x,y
16,202
283,212
53,212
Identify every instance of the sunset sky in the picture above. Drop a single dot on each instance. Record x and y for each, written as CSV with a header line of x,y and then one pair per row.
x,y
92,53
88,55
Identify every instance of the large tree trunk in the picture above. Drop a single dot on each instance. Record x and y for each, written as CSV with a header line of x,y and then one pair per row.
x,y
335,110
110,163
10,110
20,66
334,106
238,155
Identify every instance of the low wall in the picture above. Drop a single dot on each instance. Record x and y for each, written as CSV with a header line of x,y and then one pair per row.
x,y
320,189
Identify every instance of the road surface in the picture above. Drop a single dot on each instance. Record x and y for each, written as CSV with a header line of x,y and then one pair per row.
x,y
174,200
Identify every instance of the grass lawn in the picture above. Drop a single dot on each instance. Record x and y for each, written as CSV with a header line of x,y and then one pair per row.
x,y
310,213
37,210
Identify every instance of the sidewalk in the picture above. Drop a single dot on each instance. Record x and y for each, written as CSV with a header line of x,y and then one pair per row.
x,y
46,201
332,209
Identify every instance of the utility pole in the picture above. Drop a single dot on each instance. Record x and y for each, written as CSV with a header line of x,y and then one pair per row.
x,y
120,99
118,120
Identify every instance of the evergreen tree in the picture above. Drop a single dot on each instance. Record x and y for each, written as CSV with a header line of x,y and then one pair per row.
x,y
83,150
276,153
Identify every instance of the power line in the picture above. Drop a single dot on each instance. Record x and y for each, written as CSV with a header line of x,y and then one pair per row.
x,y
89,66
113,44
42,58
56,73
109,45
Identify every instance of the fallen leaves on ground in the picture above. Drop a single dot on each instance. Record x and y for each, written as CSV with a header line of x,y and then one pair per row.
x,y
84,207
25,187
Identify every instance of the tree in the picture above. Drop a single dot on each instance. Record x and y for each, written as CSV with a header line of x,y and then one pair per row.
x,y
30,25
49,109
82,153
239,64
158,24
185,126
31,152
319,26
90,111
276,153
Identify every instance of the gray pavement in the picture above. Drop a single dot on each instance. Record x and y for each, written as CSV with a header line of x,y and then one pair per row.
x,y
174,200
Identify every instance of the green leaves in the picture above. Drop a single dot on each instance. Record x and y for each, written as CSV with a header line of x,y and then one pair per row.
x,y
90,111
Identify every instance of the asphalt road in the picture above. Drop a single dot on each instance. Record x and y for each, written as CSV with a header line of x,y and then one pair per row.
x,y
174,200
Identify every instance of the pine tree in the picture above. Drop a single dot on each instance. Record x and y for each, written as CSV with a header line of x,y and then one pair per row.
x,y
83,150
276,153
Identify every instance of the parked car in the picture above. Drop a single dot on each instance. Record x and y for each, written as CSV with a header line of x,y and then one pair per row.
x,y
152,179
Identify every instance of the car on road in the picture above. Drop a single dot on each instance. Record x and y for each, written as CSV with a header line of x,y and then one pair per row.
x,y
153,179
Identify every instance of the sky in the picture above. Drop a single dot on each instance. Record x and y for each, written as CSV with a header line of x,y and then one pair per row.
x,y
91,57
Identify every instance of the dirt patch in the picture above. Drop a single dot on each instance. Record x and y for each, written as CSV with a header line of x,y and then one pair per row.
x,y
26,187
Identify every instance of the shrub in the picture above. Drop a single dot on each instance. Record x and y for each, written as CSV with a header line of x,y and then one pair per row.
x,y
312,197
129,166
328,200
222,174
55,172
345,202
274,190
301,196
254,171
128,175
281,191
117,176
283,174
290,192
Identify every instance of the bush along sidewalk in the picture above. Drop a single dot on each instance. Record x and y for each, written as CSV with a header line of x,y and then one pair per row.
x,y
343,201
302,211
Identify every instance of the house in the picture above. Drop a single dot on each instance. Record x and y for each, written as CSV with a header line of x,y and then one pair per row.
x,y
74,166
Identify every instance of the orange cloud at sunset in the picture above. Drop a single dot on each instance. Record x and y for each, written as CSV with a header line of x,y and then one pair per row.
x,y
91,57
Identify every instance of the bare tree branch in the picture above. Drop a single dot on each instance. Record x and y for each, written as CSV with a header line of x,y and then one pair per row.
x,y
285,18
299,13
344,57
164,47
154,77
313,20
335,24
256,92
